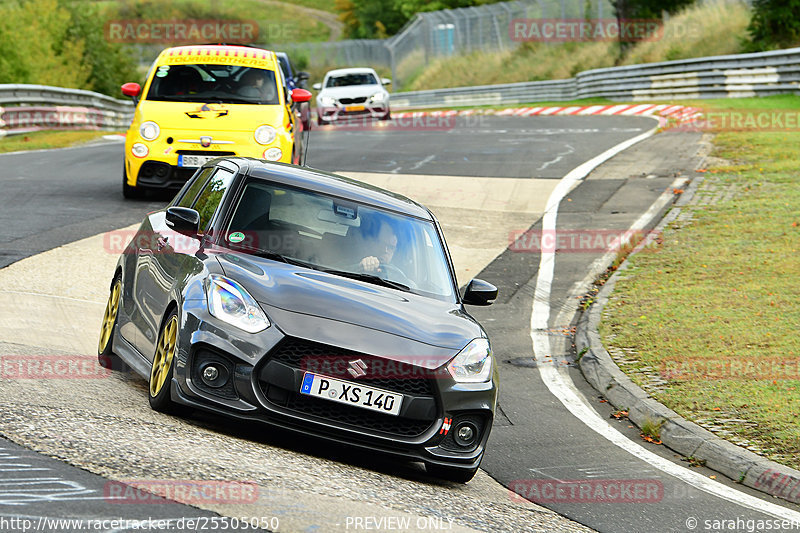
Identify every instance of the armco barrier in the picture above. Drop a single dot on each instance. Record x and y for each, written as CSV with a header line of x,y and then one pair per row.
x,y
26,108
732,76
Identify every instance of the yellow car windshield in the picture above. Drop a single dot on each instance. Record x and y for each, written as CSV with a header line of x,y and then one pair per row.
x,y
230,84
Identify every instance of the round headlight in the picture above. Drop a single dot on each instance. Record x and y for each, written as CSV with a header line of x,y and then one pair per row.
x,y
149,130
139,150
265,134
273,154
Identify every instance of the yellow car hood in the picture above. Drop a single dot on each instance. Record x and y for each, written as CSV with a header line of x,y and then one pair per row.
x,y
210,116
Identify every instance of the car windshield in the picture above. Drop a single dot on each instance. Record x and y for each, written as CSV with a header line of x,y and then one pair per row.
x,y
341,237
363,78
227,84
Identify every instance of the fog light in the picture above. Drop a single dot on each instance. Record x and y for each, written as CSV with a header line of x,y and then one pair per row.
x,y
139,150
466,434
214,375
273,154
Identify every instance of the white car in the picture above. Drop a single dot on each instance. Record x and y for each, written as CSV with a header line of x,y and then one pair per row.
x,y
352,92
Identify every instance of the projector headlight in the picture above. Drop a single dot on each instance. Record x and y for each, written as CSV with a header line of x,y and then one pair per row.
x,y
326,101
231,303
473,364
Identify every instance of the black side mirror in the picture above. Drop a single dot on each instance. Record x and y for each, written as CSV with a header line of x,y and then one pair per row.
x,y
480,292
183,220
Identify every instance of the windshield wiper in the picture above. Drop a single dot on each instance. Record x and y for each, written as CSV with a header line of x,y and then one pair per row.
x,y
275,256
369,278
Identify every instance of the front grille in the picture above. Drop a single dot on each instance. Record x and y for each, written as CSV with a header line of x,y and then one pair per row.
x,y
359,100
312,356
400,377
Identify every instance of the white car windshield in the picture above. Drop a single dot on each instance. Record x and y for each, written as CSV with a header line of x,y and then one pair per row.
x,y
347,80
341,237
229,84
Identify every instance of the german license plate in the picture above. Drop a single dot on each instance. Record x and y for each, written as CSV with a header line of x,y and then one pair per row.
x,y
351,393
354,108
194,160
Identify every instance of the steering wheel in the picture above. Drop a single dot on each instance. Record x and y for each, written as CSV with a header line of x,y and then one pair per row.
x,y
395,274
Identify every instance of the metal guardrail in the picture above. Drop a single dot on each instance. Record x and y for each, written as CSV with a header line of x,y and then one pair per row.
x,y
731,76
26,108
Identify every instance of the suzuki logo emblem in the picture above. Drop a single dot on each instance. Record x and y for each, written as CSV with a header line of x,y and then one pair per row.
x,y
357,368
205,141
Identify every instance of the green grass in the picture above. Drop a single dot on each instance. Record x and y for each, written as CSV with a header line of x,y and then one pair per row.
x,y
47,139
721,294
685,35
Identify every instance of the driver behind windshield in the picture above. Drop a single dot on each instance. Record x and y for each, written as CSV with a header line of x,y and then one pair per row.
x,y
379,247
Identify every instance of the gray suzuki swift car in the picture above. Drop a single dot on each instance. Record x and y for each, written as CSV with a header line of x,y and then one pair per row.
x,y
310,301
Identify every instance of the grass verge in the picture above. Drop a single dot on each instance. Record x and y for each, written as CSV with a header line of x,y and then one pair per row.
x,y
41,140
713,311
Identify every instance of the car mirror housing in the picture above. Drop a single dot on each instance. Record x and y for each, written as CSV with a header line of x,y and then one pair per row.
x,y
386,81
479,292
183,220
317,86
300,95
131,89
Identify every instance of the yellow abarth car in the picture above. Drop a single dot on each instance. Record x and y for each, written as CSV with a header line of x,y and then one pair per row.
x,y
202,102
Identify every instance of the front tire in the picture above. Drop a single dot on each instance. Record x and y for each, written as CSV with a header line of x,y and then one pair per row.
x,y
105,355
163,366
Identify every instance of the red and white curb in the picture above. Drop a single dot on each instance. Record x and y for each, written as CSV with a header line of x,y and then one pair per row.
x,y
665,113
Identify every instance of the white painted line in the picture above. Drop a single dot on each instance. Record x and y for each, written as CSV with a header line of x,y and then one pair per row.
x,y
561,386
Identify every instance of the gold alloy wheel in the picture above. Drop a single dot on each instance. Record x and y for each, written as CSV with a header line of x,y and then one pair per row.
x,y
165,351
110,317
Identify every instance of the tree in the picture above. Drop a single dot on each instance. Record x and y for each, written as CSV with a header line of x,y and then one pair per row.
x,y
627,10
774,24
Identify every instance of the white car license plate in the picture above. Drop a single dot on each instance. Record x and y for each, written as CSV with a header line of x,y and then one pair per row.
x,y
351,393
194,160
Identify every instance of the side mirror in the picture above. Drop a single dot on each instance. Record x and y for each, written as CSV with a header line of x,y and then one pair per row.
x,y
386,81
132,89
302,76
317,86
300,95
480,292
183,220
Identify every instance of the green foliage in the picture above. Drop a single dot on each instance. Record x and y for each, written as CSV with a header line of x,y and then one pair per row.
x,y
775,24
110,63
52,42
377,19
647,9
35,46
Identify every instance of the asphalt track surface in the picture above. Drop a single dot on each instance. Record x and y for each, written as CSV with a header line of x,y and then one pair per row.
x,y
52,198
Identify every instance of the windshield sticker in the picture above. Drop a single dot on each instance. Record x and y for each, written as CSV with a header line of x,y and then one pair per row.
x,y
236,236
162,71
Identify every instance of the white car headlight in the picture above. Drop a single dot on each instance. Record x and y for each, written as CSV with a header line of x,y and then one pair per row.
x,y
231,303
265,134
378,97
149,131
326,101
473,364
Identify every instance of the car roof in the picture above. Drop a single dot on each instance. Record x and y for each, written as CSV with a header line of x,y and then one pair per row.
x,y
331,184
343,71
